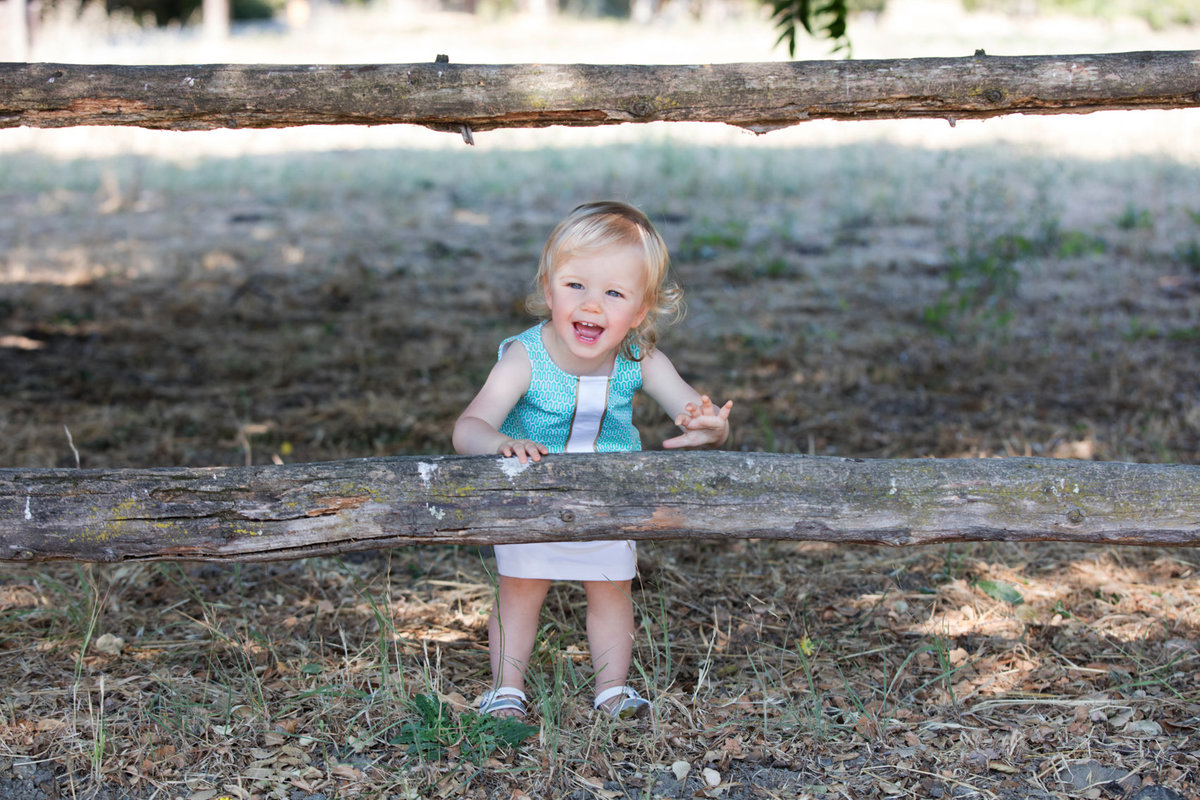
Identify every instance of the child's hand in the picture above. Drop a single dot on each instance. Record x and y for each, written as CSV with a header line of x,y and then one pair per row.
x,y
703,425
523,449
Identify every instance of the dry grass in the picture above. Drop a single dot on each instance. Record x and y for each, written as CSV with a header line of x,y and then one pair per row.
x,y
230,306
825,670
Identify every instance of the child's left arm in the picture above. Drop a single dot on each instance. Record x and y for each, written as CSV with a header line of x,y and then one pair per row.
x,y
704,424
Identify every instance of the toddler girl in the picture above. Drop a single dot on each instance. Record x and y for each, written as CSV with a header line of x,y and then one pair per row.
x,y
565,386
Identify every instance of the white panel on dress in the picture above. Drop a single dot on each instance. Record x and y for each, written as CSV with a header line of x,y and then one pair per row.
x,y
591,401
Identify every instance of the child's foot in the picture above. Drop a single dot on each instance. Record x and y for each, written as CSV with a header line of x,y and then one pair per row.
x,y
503,702
622,702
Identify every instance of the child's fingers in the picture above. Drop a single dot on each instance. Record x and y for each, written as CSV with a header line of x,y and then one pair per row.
x,y
710,408
691,438
711,417
523,450
702,425
534,451
512,451
676,442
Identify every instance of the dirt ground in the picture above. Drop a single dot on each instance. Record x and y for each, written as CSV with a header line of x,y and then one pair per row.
x,y
1006,289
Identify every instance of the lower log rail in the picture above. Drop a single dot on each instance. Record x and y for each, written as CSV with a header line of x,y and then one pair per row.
x,y
275,513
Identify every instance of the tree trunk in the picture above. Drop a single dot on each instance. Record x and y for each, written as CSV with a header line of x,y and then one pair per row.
x,y
759,97
293,511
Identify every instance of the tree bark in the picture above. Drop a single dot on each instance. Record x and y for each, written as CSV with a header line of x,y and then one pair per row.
x,y
293,511
464,98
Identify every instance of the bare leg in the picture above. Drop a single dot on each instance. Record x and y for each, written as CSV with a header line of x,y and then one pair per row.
x,y
610,629
513,627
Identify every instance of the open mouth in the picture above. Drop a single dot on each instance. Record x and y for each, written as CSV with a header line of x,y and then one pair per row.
x,y
587,333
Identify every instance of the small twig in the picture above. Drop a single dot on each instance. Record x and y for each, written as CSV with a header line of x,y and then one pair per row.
x,y
71,443
706,664
244,442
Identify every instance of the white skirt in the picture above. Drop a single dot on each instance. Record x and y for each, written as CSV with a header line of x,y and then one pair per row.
x,y
568,561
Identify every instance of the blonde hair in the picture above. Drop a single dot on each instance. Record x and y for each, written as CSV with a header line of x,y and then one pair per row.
x,y
595,226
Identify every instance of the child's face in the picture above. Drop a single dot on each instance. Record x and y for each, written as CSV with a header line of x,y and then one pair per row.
x,y
595,299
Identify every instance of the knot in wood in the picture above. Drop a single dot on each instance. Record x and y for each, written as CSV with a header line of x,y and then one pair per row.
x,y
567,516
1075,516
642,108
993,96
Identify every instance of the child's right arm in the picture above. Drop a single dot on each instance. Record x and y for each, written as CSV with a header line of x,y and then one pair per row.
x,y
477,431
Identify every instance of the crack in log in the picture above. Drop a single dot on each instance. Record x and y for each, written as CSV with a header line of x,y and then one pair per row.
x,y
336,505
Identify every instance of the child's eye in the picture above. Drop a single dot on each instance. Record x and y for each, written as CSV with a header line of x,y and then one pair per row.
x,y
574,285
614,293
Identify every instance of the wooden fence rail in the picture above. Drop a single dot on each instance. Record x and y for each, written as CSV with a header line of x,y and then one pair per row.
x,y
465,97
293,511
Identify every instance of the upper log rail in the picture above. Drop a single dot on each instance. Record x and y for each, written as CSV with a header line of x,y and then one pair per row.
x,y
283,512
463,97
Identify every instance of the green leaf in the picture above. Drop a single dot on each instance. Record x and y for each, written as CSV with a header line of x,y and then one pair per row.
x,y
825,18
478,735
512,731
1004,592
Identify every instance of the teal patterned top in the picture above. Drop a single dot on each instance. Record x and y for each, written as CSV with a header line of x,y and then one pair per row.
x,y
546,413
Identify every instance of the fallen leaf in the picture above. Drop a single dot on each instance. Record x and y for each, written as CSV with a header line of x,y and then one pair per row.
x,y
998,590
1143,727
346,772
109,645
890,788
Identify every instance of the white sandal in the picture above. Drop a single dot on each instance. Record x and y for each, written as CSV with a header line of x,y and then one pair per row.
x,y
628,703
505,698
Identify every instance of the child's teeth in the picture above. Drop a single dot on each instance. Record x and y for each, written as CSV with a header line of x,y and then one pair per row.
x,y
587,330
